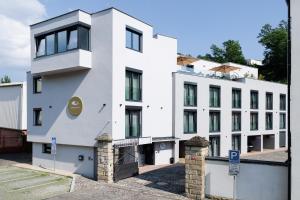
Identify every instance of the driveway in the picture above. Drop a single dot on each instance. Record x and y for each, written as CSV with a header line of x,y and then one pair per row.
x,y
19,184
14,158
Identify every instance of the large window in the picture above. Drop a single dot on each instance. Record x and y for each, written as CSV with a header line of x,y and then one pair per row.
x,y
63,40
214,121
236,142
269,101
37,85
190,121
236,121
214,146
253,121
282,124
282,102
37,116
214,96
254,99
133,40
47,148
236,98
133,123
269,121
190,95
133,86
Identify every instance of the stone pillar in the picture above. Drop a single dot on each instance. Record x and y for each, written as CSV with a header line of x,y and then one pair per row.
x,y
196,149
105,162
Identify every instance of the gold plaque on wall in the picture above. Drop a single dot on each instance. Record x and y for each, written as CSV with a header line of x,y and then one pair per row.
x,y
75,106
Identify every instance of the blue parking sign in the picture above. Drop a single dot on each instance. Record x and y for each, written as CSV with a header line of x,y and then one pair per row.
x,y
234,156
53,145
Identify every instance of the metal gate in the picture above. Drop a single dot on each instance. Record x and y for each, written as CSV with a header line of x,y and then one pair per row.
x,y
125,162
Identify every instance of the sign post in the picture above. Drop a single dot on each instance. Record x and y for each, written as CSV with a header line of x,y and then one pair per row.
x,y
234,167
53,150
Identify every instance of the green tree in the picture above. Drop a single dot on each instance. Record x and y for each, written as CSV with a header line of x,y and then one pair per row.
x,y
231,51
5,79
274,41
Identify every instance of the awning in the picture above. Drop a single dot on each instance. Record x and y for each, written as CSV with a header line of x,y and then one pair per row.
x,y
164,139
224,69
185,60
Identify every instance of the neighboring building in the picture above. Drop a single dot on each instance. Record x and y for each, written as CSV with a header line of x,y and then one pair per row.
x,y
254,62
295,98
13,117
106,73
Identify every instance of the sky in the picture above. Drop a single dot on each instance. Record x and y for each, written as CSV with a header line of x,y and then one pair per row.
x,y
197,24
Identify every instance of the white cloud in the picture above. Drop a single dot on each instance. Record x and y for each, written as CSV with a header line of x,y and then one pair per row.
x,y
15,18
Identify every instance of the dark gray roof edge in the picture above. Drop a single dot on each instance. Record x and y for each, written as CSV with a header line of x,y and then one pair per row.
x,y
58,17
250,161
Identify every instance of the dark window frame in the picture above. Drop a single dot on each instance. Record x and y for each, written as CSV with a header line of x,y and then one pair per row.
x,y
219,144
219,99
219,122
34,84
239,90
138,110
132,32
257,121
256,107
39,37
35,117
266,121
269,94
47,148
130,89
283,108
194,87
194,113
280,120
240,141
240,120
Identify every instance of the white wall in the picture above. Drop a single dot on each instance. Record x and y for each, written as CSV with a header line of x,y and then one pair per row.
x,y
163,151
255,181
295,98
66,159
226,108
13,106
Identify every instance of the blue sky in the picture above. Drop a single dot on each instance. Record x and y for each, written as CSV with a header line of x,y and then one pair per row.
x,y
197,24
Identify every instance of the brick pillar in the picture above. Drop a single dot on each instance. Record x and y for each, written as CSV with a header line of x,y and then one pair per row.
x,y
105,162
196,149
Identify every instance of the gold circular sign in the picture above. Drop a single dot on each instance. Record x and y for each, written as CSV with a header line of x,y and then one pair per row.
x,y
75,106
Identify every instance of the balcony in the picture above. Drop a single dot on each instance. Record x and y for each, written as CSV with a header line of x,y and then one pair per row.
x,y
74,60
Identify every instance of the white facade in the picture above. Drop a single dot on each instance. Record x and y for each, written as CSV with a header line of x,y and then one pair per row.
x,y
13,106
295,98
203,108
97,75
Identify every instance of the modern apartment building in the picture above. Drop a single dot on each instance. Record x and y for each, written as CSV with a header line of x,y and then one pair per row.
x,y
107,73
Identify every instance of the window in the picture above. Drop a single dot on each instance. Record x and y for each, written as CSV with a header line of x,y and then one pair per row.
x,y
254,99
282,121
253,121
47,148
37,116
236,98
133,39
214,121
282,139
214,146
236,121
190,121
269,101
269,121
236,142
282,102
63,40
37,85
214,96
133,123
190,95
133,88
50,44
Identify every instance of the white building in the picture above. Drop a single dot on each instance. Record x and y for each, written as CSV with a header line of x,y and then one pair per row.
x,y
106,72
13,106
254,62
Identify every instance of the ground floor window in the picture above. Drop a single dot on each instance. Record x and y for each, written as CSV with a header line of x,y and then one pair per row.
x,y
236,142
133,122
214,146
282,139
47,148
